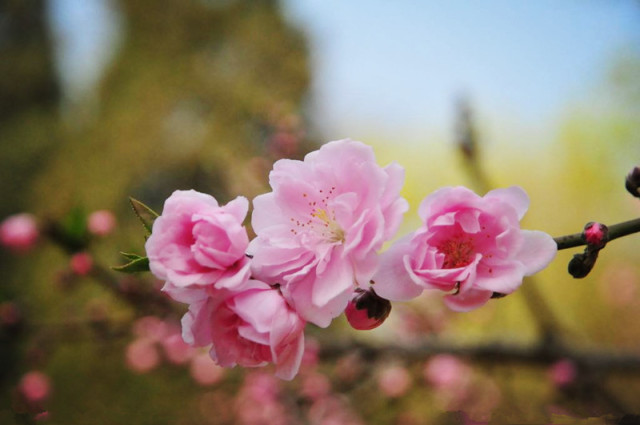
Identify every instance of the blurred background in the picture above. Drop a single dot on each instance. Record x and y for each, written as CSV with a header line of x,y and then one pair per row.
x,y
105,99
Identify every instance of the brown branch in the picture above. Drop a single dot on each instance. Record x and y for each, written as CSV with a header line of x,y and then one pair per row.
x,y
615,231
494,352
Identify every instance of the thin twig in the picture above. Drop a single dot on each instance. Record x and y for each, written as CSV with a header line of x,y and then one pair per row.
x,y
615,231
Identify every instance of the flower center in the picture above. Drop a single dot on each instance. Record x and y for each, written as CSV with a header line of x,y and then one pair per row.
x,y
321,218
328,226
458,251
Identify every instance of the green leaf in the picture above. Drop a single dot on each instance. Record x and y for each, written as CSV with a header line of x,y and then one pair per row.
x,y
145,214
131,256
137,264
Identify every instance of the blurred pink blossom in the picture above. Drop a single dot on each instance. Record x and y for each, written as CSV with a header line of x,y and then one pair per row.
x,y
81,263
349,367
315,385
150,327
445,371
469,246
204,370
319,230
258,401
101,222
35,386
19,232
251,327
176,350
142,355
394,381
562,373
332,410
196,243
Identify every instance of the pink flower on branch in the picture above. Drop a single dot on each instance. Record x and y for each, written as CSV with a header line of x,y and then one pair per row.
x,y
468,246
319,230
252,327
196,243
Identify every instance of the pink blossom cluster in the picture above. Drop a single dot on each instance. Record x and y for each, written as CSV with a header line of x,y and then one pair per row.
x,y
319,235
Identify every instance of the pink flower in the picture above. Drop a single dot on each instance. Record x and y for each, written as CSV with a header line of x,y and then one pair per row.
x,y
35,386
319,230
468,246
251,327
81,263
101,222
196,242
19,232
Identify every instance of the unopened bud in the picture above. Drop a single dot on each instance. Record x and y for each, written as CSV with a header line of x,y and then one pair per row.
x,y
632,183
581,264
596,234
367,310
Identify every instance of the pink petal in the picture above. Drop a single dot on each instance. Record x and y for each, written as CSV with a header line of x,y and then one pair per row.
x,y
504,278
237,208
196,329
468,301
537,251
392,280
515,196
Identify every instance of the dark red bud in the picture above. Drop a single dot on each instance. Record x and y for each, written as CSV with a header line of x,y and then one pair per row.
x,y
367,310
581,264
632,183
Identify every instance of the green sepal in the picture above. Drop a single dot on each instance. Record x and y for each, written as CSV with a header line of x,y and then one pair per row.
x,y
145,214
136,264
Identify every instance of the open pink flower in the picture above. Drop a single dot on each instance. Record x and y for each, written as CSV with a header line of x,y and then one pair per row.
x,y
250,327
196,242
468,246
319,231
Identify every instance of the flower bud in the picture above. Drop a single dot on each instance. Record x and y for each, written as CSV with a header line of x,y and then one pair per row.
x,y
367,310
581,264
632,183
596,234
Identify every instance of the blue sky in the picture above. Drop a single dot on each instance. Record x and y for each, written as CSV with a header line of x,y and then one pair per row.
x,y
394,68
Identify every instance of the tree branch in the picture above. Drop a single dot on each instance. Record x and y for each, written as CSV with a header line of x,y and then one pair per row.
x,y
615,231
